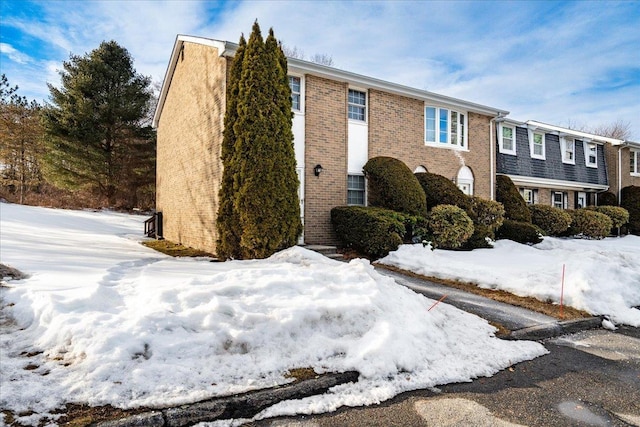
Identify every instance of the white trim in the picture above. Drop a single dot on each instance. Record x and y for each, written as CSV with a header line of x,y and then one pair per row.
x,y
633,153
532,145
575,133
586,148
462,143
301,78
554,183
563,150
366,105
500,139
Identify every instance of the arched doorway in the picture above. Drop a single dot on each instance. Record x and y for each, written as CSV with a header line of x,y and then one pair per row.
x,y
420,169
464,180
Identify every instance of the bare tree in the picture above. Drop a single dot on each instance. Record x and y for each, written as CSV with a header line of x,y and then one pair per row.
x,y
322,59
618,129
318,58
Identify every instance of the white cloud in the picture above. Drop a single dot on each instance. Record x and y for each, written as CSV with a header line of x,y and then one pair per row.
x,y
13,54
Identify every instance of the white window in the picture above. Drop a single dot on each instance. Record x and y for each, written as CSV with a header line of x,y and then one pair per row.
x,y
507,138
634,162
590,154
559,200
355,190
294,84
568,147
444,126
537,145
529,196
357,105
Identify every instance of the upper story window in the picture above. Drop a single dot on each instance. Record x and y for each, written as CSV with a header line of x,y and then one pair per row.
x,y
507,138
591,154
294,84
444,126
568,147
357,105
538,145
634,160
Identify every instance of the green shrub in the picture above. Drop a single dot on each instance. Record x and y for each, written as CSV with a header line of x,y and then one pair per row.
x,y
514,205
551,220
521,232
392,185
630,200
607,199
618,216
487,217
372,231
590,224
449,227
441,191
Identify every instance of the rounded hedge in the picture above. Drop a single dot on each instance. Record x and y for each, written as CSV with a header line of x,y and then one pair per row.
x,y
439,190
551,220
372,231
618,216
514,205
449,227
518,231
487,217
607,199
392,185
590,224
630,200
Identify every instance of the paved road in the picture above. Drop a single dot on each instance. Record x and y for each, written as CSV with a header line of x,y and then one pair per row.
x,y
513,318
591,378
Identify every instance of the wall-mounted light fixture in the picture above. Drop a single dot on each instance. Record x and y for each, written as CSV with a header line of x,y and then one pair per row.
x,y
317,170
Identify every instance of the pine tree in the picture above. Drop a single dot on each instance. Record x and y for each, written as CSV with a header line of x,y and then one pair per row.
x,y
265,190
228,222
94,119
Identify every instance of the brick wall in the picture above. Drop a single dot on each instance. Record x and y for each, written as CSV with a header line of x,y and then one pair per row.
x,y
188,154
326,144
611,155
396,129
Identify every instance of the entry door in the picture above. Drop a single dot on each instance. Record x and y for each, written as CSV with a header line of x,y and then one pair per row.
x,y
300,172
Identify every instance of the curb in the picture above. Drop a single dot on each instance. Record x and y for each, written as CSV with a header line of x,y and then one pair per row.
x,y
239,406
555,329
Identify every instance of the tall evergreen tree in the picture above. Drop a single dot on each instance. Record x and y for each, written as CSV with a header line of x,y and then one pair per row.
x,y
229,231
265,193
95,118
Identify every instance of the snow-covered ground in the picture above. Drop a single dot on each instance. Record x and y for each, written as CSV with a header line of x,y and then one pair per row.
x,y
601,277
104,320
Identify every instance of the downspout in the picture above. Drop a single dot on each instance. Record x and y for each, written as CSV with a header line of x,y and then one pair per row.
x,y
620,174
492,148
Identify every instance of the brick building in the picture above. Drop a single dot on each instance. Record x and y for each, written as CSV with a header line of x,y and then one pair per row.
x,y
341,119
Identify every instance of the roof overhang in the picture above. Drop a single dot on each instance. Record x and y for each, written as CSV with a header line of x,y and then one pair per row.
x,y
228,49
555,183
573,133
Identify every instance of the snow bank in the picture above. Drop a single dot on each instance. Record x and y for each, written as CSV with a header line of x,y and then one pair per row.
x,y
601,276
104,320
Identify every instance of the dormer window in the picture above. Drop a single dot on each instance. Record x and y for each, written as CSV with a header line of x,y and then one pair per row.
x,y
537,145
507,139
568,147
591,154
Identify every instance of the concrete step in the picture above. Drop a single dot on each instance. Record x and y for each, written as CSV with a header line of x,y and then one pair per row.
x,y
328,251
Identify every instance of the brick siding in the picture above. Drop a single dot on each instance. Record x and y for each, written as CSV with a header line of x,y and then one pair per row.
x,y
189,168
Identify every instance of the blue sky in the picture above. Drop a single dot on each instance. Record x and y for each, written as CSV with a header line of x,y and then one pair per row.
x,y
565,63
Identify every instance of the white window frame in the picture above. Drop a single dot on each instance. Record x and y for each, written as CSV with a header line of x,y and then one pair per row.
x,y
529,195
357,105
564,148
443,125
588,146
363,190
563,200
501,146
532,142
634,162
293,94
